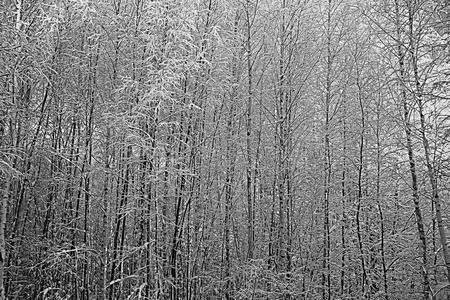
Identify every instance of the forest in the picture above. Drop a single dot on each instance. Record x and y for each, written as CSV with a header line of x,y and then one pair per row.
x,y
224,149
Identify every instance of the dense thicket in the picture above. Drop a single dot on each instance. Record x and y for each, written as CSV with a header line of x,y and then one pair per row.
x,y
217,149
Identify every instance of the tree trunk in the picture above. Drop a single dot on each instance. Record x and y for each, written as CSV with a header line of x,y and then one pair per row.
x,y
250,195
364,280
379,205
3,206
343,203
326,266
426,145
412,162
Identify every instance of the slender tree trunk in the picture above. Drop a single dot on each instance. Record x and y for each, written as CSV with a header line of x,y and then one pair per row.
x,y
120,222
5,185
8,184
108,157
250,195
412,162
230,170
3,206
326,275
379,205
88,158
343,204
229,187
105,222
425,143
326,267
364,280
281,148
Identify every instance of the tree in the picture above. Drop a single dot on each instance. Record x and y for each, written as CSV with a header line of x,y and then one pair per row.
x,y
249,149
